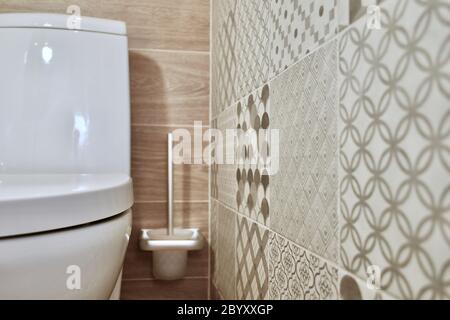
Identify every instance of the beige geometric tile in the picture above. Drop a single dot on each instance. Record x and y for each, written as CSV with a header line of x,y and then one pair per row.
x,y
299,27
214,241
253,51
395,142
226,282
305,190
252,273
240,49
223,54
298,275
214,167
223,175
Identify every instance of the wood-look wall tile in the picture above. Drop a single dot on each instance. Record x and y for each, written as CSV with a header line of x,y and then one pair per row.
x,y
149,169
169,87
156,24
186,289
138,264
166,88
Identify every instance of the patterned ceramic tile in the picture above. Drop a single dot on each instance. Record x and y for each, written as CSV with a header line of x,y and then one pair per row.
x,y
252,176
226,177
395,143
224,52
253,52
298,27
213,179
214,293
227,120
223,175
241,53
226,282
214,245
252,267
298,275
305,190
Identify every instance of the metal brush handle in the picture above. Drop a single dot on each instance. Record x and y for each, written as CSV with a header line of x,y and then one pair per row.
x,y
170,184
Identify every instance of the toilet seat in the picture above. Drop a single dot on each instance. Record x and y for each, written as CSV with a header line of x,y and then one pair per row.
x,y
39,203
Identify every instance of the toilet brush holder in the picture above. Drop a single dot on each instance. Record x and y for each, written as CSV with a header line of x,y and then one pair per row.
x,y
170,252
170,246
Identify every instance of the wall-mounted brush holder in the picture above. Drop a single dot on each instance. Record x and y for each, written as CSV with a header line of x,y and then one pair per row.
x,y
170,246
170,252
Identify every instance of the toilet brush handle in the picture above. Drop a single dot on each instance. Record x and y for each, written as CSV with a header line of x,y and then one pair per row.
x,y
170,184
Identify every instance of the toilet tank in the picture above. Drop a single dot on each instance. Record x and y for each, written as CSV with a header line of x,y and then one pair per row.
x,y
64,95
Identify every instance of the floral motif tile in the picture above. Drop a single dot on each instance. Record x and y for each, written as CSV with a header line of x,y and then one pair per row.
x,y
252,273
298,275
395,142
305,190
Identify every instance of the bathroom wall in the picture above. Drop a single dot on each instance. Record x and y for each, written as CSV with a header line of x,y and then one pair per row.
x,y
169,71
363,179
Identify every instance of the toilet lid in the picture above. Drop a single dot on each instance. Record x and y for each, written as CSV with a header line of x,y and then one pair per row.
x,y
40,203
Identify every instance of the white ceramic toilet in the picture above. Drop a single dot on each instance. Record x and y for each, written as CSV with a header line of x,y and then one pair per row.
x,y
65,187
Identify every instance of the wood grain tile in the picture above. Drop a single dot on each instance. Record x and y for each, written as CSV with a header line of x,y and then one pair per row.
x,y
187,289
169,87
156,24
138,264
149,169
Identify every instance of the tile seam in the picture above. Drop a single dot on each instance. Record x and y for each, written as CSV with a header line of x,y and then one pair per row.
x,y
175,202
191,52
169,125
153,279
209,157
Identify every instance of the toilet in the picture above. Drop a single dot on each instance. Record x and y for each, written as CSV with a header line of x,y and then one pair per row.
x,y
65,187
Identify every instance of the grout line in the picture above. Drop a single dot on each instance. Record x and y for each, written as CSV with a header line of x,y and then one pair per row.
x,y
167,125
153,279
170,51
175,201
338,157
209,156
